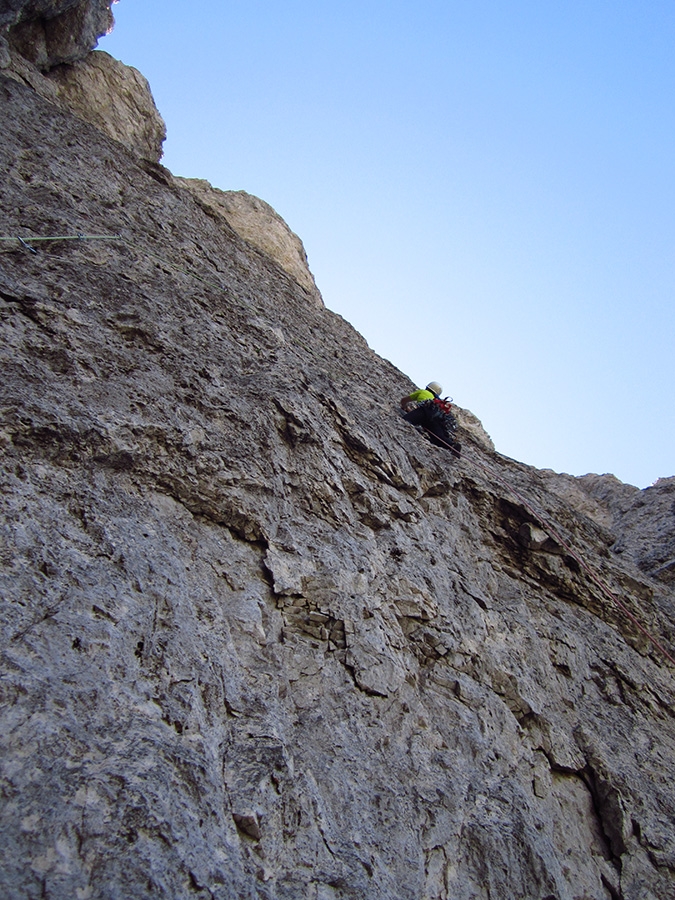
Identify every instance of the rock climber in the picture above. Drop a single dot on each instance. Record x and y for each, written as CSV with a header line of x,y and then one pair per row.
x,y
426,410
412,401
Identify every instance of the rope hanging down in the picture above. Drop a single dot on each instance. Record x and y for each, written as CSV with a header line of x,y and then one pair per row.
x,y
553,533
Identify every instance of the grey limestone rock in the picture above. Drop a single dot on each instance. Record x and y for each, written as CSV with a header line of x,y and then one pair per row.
x,y
116,99
5,54
51,32
644,522
47,47
260,225
259,638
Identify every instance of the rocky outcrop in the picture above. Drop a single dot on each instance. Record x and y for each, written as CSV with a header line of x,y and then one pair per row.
x,y
644,522
50,32
116,99
259,638
260,225
46,45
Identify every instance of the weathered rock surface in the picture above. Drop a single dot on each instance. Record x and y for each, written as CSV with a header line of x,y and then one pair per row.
x,y
259,224
47,47
260,639
116,99
644,522
51,32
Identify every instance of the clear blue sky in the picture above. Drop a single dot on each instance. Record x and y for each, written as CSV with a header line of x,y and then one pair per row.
x,y
485,190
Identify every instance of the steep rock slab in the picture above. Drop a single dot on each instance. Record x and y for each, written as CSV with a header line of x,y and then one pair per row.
x,y
260,638
644,522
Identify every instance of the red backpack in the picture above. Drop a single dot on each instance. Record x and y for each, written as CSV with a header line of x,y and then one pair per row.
x,y
444,405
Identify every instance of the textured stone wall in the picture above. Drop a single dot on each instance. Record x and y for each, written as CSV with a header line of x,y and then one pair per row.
x,y
47,46
260,225
51,32
115,98
259,638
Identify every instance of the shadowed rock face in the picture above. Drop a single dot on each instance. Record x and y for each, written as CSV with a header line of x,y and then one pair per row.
x,y
259,637
13,12
51,32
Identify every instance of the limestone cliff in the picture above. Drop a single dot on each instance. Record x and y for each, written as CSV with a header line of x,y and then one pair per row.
x,y
46,45
260,639
50,32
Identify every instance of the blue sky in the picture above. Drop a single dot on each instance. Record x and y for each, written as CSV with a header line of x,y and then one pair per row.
x,y
485,190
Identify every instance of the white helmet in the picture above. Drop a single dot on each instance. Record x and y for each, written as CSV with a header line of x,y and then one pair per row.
x,y
435,388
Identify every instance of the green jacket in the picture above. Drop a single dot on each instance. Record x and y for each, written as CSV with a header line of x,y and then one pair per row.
x,y
421,395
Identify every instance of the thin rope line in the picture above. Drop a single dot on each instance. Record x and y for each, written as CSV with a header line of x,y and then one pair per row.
x,y
26,242
64,237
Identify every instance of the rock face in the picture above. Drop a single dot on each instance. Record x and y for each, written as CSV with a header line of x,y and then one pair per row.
x,y
260,225
260,639
643,520
46,45
116,99
50,32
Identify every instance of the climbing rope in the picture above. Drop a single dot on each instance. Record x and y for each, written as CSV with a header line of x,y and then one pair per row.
x,y
25,243
64,237
553,533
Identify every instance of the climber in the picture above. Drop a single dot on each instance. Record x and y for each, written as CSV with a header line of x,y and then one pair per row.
x,y
412,401
426,410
